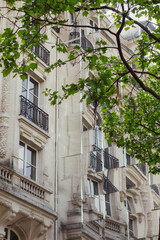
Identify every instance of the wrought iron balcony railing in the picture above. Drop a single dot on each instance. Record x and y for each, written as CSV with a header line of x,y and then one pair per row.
x,y
142,167
108,185
42,53
34,113
75,36
110,161
155,188
83,41
95,162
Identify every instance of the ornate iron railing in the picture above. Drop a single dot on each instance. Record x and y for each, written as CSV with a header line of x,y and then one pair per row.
x,y
142,167
108,185
34,113
155,188
110,161
42,53
83,41
75,36
95,162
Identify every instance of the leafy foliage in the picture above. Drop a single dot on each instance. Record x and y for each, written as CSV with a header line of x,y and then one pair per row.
x,y
132,119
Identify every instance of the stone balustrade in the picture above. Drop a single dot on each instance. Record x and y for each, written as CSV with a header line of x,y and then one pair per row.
x,y
26,185
112,225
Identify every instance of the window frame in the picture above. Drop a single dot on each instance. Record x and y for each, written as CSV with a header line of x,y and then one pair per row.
x,y
92,23
25,160
91,188
108,203
130,220
28,78
8,233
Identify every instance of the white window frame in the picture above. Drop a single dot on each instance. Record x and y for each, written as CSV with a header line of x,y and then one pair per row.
x,y
28,77
91,188
110,204
25,160
129,211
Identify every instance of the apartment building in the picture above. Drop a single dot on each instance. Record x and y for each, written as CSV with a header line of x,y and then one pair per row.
x,y
59,178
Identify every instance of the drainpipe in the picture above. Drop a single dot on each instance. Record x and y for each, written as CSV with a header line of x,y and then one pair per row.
x,y
81,131
56,154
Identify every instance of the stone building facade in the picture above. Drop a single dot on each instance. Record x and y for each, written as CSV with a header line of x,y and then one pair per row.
x,y
59,178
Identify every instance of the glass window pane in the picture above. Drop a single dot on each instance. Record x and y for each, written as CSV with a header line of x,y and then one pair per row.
x,y
21,150
21,166
24,92
33,87
25,83
13,236
31,172
6,233
31,156
33,99
95,188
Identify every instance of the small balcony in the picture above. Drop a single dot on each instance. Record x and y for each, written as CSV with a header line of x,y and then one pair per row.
x,y
108,185
34,113
142,167
28,186
155,188
42,53
83,41
110,161
95,162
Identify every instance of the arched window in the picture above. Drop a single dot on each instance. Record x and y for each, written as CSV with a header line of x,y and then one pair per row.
x,y
10,235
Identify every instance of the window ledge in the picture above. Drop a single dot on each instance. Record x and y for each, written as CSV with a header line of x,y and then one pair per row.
x,y
32,134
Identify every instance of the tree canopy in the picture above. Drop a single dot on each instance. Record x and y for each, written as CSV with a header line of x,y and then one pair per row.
x,y
132,118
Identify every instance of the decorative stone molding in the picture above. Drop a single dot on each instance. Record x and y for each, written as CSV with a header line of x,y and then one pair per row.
x,y
24,218
31,134
3,141
122,196
4,120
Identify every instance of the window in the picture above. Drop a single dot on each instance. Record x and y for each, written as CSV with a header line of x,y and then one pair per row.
x,y
128,157
93,24
97,137
10,235
27,161
130,220
129,183
30,90
93,188
108,203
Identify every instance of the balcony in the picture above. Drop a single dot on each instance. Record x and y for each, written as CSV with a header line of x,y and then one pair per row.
x,y
34,113
95,162
108,186
112,225
75,36
83,41
110,161
42,53
155,188
142,167
12,178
